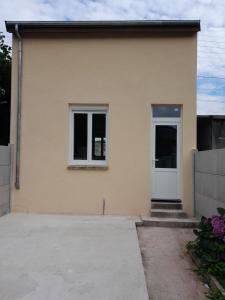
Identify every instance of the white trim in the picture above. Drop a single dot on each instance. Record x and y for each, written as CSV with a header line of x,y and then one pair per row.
x,y
166,120
89,110
89,136
85,108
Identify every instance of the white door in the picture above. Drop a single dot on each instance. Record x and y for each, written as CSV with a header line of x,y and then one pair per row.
x,y
166,158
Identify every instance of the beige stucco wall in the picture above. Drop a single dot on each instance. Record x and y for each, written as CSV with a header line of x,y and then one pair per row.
x,y
128,74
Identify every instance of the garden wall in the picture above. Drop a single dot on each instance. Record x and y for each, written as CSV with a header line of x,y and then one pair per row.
x,y
5,159
209,181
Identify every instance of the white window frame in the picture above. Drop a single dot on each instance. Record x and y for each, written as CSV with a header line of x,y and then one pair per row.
x,y
89,110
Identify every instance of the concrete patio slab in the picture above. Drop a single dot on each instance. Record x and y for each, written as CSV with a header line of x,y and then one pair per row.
x,y
67,257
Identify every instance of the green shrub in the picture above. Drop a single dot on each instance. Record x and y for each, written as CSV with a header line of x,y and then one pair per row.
x,y
209,245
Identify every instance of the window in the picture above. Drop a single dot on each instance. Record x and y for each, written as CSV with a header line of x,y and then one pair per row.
x,y
88,135
166,111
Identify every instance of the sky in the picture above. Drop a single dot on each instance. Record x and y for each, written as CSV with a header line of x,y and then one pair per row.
x,y
211,39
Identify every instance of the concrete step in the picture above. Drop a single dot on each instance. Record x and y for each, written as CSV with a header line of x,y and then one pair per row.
x,y
168,213
170,222
166,205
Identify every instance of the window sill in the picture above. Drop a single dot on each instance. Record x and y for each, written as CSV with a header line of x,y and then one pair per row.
x,y
88,167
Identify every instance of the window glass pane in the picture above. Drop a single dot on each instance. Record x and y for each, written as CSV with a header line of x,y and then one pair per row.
x,y
98,136
80,136
166,111
166,146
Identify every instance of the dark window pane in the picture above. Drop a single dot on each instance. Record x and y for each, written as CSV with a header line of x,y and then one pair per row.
x,y
166,146
80,136
218,129
166,111
98,136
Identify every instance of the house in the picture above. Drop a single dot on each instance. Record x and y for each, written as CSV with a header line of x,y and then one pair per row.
x,y
103,115
210,132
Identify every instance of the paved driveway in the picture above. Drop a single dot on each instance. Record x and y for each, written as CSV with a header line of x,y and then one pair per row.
x,y
64,257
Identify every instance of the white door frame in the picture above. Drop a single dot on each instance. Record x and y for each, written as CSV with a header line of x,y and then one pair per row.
x,y
166,121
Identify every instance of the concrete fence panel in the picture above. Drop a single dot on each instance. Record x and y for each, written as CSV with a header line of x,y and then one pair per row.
x,y
5,161
209,181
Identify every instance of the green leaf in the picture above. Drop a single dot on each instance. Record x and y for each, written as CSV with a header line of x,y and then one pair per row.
x,y
221,211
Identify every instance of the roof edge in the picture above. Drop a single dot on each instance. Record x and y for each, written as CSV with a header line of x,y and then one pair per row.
x,y
42,26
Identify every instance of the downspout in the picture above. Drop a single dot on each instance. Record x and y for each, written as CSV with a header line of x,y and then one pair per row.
x,y
18,117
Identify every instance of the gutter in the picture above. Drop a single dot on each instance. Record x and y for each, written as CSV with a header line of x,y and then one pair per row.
x,y
18,116
76,26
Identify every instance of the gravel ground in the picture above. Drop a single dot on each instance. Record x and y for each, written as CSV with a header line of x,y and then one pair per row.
x,y
168,268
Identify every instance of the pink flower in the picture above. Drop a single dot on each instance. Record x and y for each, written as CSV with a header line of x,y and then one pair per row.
x,y
218,225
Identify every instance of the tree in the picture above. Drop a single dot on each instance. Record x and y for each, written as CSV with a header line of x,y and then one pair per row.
x,y
5,90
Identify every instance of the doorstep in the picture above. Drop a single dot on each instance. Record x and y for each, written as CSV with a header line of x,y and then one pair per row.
x,y
170,222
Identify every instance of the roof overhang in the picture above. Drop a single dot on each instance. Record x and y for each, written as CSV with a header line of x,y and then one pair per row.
x,y
79,26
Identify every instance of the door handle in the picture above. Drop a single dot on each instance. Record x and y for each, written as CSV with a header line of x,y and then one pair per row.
x,y
154,161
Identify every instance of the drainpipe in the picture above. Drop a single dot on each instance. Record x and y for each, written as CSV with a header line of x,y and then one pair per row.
x,y
18,117
194,152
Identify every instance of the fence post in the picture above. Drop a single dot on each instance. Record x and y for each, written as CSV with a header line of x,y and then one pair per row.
x,y
194,152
